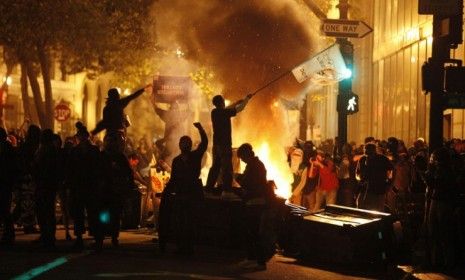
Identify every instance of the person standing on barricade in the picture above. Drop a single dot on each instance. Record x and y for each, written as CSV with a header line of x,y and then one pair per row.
x,y
186,184
222,143
114,120
256,196
84,178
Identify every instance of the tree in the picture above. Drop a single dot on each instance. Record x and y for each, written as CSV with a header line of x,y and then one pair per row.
x,y
84,35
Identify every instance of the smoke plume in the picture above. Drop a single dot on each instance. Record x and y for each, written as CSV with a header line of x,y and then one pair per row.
x,y
247,43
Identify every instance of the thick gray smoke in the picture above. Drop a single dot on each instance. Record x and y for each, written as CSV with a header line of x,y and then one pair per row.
x,y
247,43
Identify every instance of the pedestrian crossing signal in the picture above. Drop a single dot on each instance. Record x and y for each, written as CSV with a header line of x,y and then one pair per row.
x,y
347,103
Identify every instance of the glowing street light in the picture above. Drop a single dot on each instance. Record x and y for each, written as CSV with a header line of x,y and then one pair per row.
x,y
346,73
8,80
179,53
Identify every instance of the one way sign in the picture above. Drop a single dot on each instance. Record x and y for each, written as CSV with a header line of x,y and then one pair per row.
x,y
345,28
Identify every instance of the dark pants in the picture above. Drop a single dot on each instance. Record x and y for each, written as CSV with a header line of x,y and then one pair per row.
x,y
27,203
6,216
185,224
115,208
222,161
79,207
346,193
164,219
254,244
371,201
46,216
64,196
441,233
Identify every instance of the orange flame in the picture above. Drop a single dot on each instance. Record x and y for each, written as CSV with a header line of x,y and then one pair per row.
x,y
277,168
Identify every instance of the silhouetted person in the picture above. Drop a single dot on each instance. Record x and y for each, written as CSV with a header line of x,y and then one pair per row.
x,y
222,143
8,180
118,184
188,188
64,190
61,165
83,178
46,178
443,192
175,120
26,197
255,195
374,171
114,120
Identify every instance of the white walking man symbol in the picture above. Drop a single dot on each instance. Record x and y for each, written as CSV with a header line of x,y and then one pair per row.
x,y
351,105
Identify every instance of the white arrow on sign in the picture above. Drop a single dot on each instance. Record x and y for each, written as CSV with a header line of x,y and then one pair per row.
x,y
345,28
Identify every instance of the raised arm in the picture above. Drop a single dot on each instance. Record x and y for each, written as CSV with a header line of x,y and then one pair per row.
x,y
99,127
240,104
125,101
203,138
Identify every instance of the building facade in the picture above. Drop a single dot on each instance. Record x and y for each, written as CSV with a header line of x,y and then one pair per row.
x,y
85,98
388,74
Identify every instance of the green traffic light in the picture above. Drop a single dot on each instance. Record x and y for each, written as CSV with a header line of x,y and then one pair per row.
x,y
346,73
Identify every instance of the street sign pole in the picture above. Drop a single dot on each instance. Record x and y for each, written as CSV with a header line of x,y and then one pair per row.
x,y
345,28
447,34
345,86
440,53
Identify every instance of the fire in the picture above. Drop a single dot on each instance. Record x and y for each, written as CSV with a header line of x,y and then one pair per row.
x,y
277,168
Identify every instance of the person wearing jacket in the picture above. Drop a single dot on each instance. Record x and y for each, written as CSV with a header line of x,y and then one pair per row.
x,y
45,175
114,120
188,188
84,178
326,191
255,195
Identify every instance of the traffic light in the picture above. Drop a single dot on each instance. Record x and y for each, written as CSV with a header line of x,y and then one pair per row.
x,y
347,51
427,77
454,79
347,103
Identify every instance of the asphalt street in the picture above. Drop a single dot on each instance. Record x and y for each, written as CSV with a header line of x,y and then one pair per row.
x,y
137,257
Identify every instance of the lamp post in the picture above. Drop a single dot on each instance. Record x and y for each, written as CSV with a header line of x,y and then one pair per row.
x,y
345,86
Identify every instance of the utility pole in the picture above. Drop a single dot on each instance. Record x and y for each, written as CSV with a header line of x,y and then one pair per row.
x,y
345,86
342,29
440,54
447,34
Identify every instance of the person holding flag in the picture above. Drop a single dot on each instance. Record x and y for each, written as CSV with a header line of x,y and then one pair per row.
x,y
222,143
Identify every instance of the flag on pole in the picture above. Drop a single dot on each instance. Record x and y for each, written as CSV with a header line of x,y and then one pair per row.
x,y
325,67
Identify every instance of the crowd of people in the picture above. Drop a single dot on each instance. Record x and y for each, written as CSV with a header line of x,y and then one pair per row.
x,y
91,182
92,179
423,189
39,168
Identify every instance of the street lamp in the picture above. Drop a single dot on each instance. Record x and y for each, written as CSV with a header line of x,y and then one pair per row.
x,y
8,80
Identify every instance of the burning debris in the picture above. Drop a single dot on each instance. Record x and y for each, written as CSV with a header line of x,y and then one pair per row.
x,y
247,44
